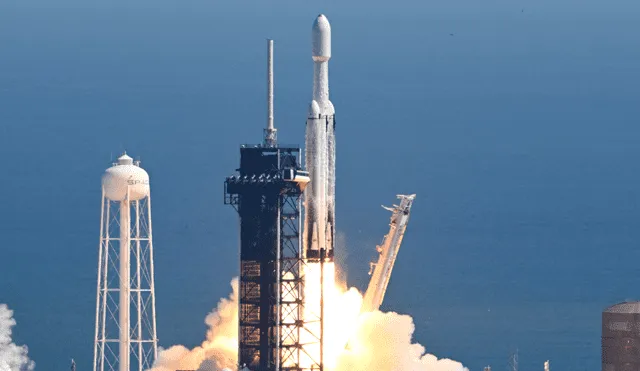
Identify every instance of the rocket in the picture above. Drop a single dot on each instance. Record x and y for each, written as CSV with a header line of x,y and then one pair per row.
x,y
319,220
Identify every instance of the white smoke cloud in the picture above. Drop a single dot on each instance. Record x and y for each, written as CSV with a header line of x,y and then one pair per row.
x,y
12,356
218,351
383,342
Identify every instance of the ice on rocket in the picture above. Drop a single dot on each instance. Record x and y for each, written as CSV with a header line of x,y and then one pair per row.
x,y
319,228
321,39
321,53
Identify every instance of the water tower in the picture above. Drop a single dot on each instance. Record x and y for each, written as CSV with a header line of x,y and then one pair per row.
x,y
125,333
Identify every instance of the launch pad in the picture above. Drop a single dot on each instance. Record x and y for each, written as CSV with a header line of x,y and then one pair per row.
x,y
281,297
281,292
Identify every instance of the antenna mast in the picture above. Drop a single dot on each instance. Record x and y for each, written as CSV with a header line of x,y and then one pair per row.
x,y
270,133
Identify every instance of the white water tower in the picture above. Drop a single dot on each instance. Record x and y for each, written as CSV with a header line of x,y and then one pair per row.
x,y
125,337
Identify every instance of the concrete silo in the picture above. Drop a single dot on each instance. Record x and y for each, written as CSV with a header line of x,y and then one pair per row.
x,y
621,337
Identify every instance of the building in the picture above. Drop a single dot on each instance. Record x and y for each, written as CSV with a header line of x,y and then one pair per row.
x,y
621,337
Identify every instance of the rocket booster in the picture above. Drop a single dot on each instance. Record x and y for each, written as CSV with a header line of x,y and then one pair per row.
x,y
319,223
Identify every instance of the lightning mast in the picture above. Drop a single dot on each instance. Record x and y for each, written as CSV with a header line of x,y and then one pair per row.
x,y
381,271
270,133
125,272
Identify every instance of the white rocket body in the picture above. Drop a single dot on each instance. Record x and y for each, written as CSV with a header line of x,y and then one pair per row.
x,y
320,151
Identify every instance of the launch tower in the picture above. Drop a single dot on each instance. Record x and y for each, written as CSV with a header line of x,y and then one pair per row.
x,y
266,192
125,272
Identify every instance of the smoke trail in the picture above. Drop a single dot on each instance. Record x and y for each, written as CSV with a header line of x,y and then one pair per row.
x,y
340,256
12,356
218,351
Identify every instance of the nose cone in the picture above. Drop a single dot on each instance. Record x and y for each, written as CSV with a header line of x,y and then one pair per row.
x,y
314,109
321,39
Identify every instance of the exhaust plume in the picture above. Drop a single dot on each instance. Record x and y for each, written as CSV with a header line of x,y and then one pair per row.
x,y
379,341
219,351
340,256
383,342
12,357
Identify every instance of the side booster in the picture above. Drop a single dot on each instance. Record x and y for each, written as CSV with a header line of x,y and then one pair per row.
x,y
319,221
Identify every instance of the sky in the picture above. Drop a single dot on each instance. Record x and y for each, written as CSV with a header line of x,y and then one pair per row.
x,y
514,122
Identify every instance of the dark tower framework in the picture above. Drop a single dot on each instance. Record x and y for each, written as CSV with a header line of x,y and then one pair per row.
x,y
266,194
273,331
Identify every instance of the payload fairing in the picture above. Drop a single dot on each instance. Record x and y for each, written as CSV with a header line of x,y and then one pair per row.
x,y
319,223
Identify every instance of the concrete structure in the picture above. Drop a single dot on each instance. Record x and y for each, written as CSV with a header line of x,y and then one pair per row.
x,y
621,337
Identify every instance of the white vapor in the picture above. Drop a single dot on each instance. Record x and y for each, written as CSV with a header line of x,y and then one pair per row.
x,y
381,342
340,256
218,351
12,356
